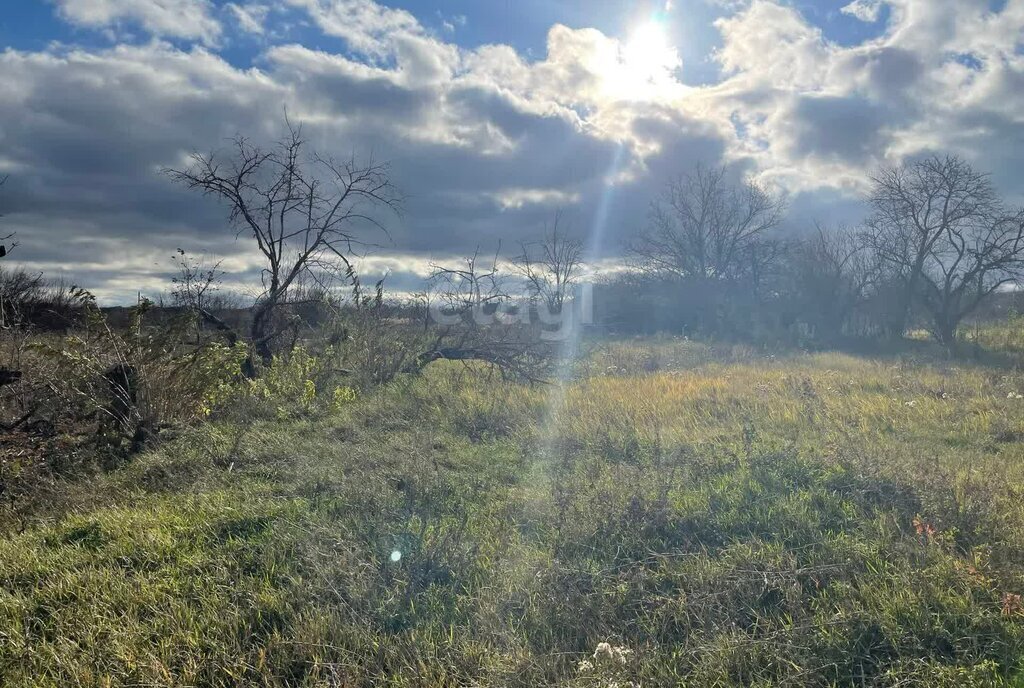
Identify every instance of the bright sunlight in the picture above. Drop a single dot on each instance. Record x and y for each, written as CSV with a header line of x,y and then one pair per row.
x,y
511,344
646,64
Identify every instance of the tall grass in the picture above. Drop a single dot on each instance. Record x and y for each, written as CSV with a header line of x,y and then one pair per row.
x,y
680,516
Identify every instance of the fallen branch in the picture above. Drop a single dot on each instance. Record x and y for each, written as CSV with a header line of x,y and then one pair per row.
x,y
229,333
514,362
11,427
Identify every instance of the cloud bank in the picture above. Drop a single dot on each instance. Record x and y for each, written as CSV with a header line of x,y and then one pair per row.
x,y
485,142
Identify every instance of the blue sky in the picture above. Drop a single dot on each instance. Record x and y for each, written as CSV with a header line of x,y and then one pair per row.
x,y
523,24
493,114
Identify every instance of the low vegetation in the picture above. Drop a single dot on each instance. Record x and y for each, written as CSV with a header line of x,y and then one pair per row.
x,y
673,513
325,487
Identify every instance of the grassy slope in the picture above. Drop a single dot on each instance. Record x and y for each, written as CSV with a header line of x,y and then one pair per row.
x,y
731,520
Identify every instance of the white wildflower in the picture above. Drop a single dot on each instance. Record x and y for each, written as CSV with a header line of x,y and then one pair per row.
x,y
614,653
1015,395
584,666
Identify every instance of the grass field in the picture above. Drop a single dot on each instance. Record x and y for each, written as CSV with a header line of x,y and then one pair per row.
x,y
676,514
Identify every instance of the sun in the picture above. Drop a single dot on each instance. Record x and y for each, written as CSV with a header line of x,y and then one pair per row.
x,y
647,54
647,61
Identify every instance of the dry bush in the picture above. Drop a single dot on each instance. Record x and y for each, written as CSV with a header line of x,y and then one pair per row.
x,y
117,386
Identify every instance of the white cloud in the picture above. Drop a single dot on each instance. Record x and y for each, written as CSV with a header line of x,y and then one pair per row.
x,y
250,17
812,113
395,263
364,24
474,131
517,198
450,24
773,45
865,10
190,19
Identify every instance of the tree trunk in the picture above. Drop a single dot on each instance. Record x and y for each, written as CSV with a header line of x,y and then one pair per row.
x,y
898,326
945,330
260,336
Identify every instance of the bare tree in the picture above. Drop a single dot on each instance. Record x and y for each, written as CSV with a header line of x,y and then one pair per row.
x,y
705,227
833,272
4,246
19,291
943,230
551,266
466,322
195,286
469,289
300,208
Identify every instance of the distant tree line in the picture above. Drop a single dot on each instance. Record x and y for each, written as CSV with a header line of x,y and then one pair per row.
x,y
938,241
711,260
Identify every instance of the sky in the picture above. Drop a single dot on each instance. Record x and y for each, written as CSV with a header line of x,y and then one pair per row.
x,y
493,114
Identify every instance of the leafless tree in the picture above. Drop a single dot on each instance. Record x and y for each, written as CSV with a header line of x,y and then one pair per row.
x,y
19,290
705,227
196,281
551,266
833,272
301,209
195,286
942,228
466,322
4,245
474,286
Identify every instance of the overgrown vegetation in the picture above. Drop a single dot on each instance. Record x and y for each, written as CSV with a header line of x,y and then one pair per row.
x,y
675,513
328,488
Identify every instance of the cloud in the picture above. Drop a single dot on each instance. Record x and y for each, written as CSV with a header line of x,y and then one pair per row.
x,y
774,45
838,135
190,19
451,24
250,17
865,10
517,198
365,25
485,142
812,113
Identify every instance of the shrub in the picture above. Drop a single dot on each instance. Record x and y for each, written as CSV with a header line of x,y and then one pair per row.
x,y
133,382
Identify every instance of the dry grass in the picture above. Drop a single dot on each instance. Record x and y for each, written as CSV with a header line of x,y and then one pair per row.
x,y
727,517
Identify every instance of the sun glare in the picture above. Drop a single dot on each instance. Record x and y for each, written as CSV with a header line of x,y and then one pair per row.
x,y
646,62
647,53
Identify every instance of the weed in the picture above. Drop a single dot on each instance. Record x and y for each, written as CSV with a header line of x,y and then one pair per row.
x,y
713,519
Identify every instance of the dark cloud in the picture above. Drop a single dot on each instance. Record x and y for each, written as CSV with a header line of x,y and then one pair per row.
x,y
891,72
87,185
849,130
486,145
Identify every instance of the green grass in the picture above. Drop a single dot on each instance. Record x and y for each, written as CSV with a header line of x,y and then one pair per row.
x,y
1002,336
727,517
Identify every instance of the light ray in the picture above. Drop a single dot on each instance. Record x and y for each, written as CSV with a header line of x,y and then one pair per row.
x,y
569,350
